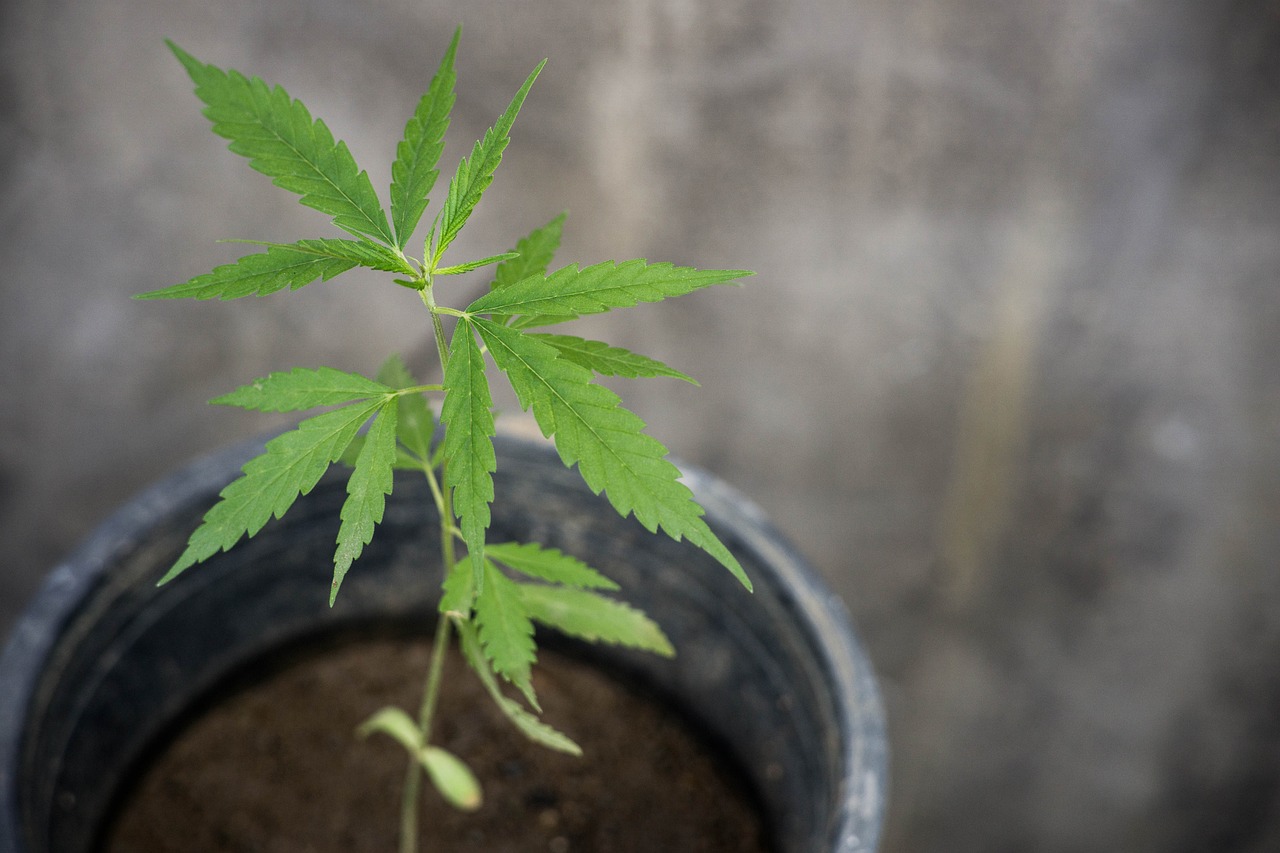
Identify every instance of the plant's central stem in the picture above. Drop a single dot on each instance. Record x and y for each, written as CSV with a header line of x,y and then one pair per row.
x,y
440,644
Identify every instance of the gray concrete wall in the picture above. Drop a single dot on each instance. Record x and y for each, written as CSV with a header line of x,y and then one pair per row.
x,y
1007,372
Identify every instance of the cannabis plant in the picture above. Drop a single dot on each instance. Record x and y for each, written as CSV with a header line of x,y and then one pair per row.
x,y
493,592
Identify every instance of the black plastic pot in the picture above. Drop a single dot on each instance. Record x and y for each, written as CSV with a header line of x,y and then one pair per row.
x,y
104,660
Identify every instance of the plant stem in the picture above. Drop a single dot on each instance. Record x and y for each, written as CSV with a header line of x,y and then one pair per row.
x,y
440,644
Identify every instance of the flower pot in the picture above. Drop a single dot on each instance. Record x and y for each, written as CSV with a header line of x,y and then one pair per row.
x,y
104,661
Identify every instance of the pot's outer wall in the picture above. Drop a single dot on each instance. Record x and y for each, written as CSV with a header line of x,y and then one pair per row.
x,y
103,660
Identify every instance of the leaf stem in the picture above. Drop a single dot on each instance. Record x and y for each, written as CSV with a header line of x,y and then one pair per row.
x,y
413,773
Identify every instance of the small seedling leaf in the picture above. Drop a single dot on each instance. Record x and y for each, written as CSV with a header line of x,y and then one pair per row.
x,y
397,725
452,778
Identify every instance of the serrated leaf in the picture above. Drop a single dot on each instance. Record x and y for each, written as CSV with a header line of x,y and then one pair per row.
x,y
362,252
404,461
599,357
452,778
459,590
548,564
284,142
367,489
606,441
474,175
415,426
468,443
506,634
291,465
457,269
571,292
594,618
534,254
529,725
280,267
414,172
302,388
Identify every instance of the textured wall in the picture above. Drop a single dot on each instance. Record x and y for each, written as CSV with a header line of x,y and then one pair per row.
x,y
1007,371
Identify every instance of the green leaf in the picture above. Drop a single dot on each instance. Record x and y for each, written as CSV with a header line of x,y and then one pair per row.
x,y
594,618
474,265
506,634
570,292
414,172
474,176
606,360
529,725
548,564
396,724
367,489
453,779
302,388
534,254
291,465
415,426
282,141
362,252
459,590
606,441
468,443
258,275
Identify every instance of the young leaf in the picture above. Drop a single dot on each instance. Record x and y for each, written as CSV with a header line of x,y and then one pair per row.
x,y
367,489
282,141
534,254
594,618
529,725
606,441
453,779
548,564
413,174
302,388
468,443
458,269
599,357
459,591
570,292
415,426
506,634
363,252
396,724
291,465
474,176
258,275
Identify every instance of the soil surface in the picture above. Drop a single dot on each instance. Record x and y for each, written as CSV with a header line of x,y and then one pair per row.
x,y
277,767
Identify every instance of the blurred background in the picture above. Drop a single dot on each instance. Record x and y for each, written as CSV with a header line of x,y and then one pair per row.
x,y
1007,373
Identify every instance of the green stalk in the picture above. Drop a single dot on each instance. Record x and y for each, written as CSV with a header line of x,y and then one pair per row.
x,y
435,673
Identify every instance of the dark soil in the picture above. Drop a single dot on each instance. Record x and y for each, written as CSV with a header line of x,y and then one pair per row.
x,y
277,767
